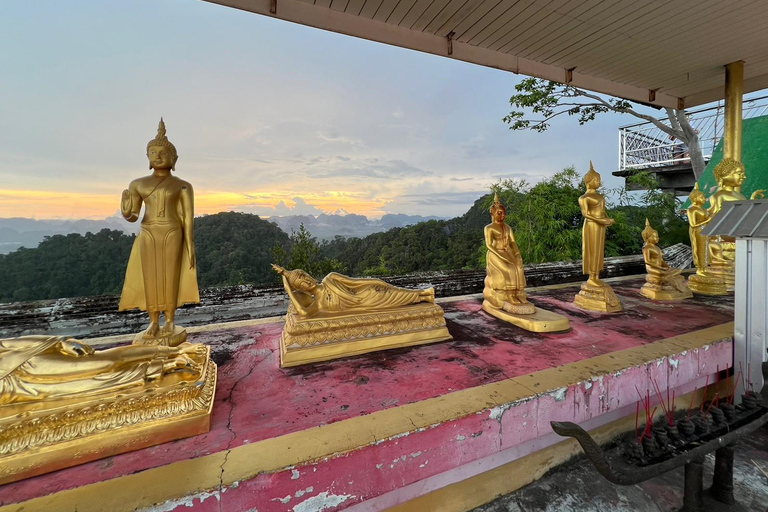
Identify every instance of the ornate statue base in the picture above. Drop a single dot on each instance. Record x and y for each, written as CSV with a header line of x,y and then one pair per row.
x,y
726,273
331,336
539,321
707,283
43,436
172,339
671,288
597,298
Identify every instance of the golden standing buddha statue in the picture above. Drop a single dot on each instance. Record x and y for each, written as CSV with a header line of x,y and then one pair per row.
x,y
595,295
161,273
661,282
703,281
504,292
63,403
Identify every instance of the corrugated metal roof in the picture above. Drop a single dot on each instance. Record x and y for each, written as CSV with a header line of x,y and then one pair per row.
x,y
636,49
740,219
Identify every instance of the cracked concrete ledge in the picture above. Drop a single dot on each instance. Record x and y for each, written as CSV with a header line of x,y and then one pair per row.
x,y
544,395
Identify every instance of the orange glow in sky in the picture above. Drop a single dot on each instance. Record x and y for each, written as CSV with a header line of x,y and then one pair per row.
x,y
44,204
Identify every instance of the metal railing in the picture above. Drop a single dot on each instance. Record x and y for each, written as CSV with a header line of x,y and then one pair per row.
x,y
643,145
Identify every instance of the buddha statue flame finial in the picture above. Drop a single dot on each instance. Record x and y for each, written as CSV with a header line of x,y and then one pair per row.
x,y
496,203
697,196
592,175
162,140
648,231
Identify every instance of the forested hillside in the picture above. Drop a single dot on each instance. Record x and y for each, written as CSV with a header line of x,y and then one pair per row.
x,y
232,248
237,248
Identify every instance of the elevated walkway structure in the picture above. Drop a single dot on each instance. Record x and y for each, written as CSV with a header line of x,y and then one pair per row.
x,y
443,427
645,147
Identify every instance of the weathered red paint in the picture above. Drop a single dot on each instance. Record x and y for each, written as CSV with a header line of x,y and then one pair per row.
x,y
256,400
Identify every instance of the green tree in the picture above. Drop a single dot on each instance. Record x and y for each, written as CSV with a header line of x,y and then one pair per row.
x,y
547,100
304,252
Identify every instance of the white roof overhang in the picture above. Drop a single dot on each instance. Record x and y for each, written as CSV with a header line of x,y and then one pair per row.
x,y
669,53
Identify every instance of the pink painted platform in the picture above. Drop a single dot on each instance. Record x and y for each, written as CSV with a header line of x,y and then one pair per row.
x,y
257,401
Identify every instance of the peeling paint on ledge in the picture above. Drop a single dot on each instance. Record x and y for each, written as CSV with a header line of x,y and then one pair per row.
x,y
322,501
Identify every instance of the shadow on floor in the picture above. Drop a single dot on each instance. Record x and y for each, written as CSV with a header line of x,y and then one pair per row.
x,y
577,486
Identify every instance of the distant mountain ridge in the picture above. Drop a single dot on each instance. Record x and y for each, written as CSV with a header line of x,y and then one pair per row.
x,y
16,232
328,226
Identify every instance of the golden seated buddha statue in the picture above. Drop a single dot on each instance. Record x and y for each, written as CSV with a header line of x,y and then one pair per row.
x,y
730,175
504,293
343,316
661,281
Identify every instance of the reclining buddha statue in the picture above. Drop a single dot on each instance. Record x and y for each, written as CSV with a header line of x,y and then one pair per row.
x,y
342,316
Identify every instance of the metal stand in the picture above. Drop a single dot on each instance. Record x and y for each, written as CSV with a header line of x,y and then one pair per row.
x,y
722,482
693,495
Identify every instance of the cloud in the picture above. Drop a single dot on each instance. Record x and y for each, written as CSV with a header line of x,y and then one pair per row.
x,y
333,135
479,147
444,198
300,207
462,179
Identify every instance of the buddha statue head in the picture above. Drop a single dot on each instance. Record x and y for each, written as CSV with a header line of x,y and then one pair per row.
x,y
730,173
697,197
592,178
297,279
650,235
498,210
160,152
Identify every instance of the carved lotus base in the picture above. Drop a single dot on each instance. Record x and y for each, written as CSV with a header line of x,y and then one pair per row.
x,y
173,339
40,437
539,321
597,298
673,289
323,338
726,273
706,283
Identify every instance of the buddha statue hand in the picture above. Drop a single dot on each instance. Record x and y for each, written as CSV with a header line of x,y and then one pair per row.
x,y
758,194
72,347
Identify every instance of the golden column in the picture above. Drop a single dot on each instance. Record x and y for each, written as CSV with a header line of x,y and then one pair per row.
x,y
734,90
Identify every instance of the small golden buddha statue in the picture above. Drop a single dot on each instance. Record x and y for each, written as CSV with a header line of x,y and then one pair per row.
x,y
703,281
343,316
504,292
721,251
161,273
595,295
661,282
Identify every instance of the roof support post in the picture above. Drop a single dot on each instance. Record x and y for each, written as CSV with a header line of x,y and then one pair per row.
x,y
734,90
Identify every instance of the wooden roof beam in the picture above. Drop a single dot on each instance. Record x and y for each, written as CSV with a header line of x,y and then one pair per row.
x,y
335,21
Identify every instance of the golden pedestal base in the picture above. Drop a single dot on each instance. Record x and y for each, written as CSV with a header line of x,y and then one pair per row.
x,y
597,298
725,273
676,290
707,284
323,338
174,339
539,321
40,437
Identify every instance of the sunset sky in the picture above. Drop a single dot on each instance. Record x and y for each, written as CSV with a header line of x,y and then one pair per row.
x,y
268,117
